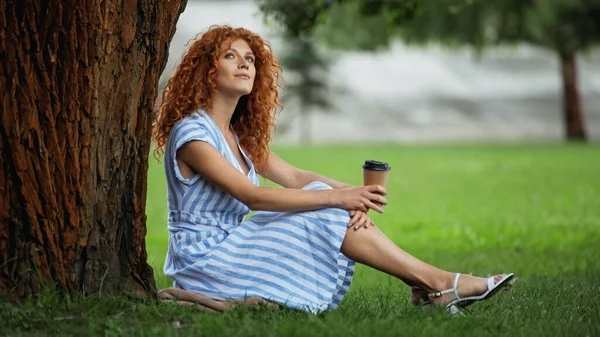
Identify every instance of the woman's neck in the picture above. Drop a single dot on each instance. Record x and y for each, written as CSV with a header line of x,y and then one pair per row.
x,y
222,110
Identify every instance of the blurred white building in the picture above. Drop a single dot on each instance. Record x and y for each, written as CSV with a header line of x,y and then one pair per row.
x,y
423,95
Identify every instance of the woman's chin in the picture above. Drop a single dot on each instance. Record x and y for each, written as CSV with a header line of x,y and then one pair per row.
x,y
239,91
245,91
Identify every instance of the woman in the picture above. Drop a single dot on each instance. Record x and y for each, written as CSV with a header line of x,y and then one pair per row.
x,y
214,127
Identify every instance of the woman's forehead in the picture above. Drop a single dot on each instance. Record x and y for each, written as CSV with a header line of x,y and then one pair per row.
x,y
240,45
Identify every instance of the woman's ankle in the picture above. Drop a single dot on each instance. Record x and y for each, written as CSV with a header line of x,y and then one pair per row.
x,y
443,282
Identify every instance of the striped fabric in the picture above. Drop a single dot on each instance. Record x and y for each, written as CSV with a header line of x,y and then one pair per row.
x,y
292,258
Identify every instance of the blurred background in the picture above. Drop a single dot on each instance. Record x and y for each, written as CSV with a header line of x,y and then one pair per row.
x,y
481,107
402,72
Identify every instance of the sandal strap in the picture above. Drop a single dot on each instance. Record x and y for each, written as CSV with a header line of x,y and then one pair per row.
x,y
456,287
447,291
440,293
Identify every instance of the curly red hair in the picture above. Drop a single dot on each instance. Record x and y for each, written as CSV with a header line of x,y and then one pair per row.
x,y
191,86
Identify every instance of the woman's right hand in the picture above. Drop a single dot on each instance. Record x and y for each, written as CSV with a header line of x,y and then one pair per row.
x,y
362,198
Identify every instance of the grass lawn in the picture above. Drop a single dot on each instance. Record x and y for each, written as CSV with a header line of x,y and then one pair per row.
x,y
529,209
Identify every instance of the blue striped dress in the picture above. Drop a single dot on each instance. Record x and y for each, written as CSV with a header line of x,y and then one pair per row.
x,y
292,258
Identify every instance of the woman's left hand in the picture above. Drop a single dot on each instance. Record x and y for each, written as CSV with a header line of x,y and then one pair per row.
x,y
359,219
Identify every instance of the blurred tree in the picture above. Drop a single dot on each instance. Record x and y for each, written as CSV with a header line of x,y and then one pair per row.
x,y
298,16
309,84
301,17
78,82
567,27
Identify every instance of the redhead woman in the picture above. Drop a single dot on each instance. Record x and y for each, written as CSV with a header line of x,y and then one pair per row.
x,y
300,247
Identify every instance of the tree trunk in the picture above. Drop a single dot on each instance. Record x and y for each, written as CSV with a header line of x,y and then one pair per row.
x,y
78,81
573,114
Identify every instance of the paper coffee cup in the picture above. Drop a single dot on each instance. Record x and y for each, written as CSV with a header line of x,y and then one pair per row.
x,y
375,173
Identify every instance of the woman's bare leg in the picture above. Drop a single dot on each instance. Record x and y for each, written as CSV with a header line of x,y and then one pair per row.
x,y
371,247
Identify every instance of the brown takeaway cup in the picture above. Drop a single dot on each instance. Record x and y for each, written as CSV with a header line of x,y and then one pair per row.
x,y
375,173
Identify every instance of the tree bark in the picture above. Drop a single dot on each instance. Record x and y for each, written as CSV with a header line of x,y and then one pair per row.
x,y
78,81
572,110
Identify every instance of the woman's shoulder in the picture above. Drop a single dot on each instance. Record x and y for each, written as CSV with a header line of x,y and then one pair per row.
x,y
194,126
197,120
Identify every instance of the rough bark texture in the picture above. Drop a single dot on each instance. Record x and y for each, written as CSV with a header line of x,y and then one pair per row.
x,y
573,114
78,80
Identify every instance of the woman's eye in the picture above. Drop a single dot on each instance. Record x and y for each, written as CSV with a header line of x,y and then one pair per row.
x,y
228,56
250,59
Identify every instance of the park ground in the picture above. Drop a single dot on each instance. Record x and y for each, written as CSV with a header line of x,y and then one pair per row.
x,y
483,209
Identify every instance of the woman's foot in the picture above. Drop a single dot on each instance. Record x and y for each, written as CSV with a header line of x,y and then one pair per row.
x,y
467,286
184,297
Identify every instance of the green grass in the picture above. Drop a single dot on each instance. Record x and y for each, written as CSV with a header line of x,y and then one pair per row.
x,y
529,209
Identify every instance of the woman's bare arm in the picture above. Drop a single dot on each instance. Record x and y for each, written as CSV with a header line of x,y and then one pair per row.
x,y
288,176
208,162
284,174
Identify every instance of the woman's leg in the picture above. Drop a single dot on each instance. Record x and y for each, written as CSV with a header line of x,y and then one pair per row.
x,y
371,247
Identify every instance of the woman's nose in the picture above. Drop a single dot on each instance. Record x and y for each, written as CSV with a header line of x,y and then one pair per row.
x,y
243,64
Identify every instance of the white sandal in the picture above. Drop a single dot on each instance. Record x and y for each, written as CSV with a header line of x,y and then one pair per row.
x,y
454,306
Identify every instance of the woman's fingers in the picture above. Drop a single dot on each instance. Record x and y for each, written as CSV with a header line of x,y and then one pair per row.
x,y
365,223
360,219
373,206
352,214
378,198
361,222
377,189
354,218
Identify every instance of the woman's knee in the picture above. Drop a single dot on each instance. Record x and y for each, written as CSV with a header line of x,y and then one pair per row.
x,y
317,185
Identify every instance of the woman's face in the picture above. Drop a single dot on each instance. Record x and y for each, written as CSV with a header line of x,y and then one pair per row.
x,y
236,71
